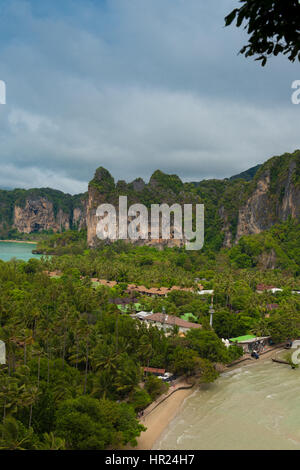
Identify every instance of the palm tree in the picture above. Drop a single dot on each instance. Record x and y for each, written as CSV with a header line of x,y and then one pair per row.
x,y
9,393
30,391
108,361
51,442
14,435
127,380
145,349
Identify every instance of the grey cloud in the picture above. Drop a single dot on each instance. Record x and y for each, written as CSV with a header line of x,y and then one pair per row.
x,y
134,87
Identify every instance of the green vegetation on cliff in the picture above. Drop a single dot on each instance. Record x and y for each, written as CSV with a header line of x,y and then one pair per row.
x,y
18,197
280,244
223,199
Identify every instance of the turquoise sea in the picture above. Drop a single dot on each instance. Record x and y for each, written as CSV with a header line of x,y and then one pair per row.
x,y
9,250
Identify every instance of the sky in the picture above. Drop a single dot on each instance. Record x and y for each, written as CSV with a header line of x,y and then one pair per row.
x,y
135,86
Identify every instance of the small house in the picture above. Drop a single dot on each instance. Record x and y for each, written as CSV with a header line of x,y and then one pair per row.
x,y
260,288
206,292
167,322
154,371
251,343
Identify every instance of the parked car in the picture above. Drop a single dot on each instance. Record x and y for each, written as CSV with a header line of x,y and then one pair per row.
x,y
166,377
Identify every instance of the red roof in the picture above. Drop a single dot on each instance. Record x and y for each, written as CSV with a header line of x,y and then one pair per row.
x,y
171,320
154,371
264,287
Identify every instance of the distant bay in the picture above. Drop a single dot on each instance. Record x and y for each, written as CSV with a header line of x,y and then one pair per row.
x,y
19,250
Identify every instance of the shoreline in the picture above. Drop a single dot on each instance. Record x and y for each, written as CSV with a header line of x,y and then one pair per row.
x,y
249,360
19,241
158,419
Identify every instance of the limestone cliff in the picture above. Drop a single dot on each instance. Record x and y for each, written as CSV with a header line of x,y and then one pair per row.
x,y
273,197
162,188
247,204
36,210
233,207
38,215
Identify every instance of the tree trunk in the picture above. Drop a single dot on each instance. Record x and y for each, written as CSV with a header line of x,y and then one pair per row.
x,y
30,415
39,368
25,351
48,371
86,368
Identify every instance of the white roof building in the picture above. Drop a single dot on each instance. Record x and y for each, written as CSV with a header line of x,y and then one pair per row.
x,y
203,292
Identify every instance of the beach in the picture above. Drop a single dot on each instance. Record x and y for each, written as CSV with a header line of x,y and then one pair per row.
x,y
159,414
157,420
18,241
252,407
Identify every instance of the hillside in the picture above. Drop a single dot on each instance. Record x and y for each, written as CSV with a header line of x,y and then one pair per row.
x,y
38,210
246,204
247,175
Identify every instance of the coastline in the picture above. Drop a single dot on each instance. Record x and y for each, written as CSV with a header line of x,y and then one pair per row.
x,y
268,354
158,416
158,419
18,241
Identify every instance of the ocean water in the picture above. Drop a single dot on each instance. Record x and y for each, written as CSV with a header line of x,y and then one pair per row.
x,y
254,407
9,250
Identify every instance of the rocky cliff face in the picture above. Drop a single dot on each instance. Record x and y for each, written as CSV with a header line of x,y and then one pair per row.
x,y
255,215
161,188
275,196
233,207
28,211
79,217
38,215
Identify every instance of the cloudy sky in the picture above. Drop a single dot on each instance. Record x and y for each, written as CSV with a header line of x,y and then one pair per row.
x,y
135,85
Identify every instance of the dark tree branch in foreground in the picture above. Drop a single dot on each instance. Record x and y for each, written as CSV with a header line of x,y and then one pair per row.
x,y
273,26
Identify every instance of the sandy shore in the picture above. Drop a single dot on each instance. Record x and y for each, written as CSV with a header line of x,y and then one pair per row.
x,y
156,420
18,241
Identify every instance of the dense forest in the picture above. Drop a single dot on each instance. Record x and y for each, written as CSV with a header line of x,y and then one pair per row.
x,y
277,248
74,363
74,374
75,354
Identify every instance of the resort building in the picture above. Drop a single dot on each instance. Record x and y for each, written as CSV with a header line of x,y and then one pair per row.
x,y
157,291
104,282
206,292
260,288
167,322
53,274
154,371
251,343
141,315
